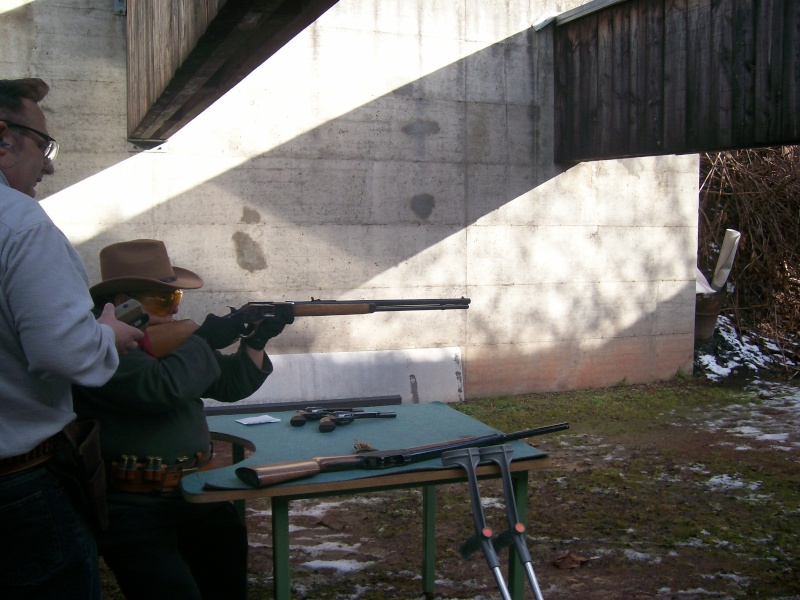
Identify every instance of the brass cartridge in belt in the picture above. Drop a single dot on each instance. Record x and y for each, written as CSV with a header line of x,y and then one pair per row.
x,y
130,467
122,467
153,469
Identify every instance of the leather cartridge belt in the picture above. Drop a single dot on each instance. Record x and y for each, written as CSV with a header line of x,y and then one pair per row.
x,y
152,476
40,454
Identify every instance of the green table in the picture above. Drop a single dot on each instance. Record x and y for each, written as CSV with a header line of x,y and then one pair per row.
x,y
415,425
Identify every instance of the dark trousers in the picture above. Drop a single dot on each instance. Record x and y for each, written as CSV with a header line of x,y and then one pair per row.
x,y
47,550
177,551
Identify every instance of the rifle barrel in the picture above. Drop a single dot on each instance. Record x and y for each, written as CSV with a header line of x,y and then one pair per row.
x,y
409,302
398,305
396,458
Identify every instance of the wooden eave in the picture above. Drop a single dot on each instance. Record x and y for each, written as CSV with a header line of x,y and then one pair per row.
x,y
655,77
185,54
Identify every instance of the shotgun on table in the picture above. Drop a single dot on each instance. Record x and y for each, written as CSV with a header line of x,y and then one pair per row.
x,y
266,475
164,338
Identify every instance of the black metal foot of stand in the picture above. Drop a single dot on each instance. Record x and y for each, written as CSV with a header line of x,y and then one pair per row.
x,y
468,459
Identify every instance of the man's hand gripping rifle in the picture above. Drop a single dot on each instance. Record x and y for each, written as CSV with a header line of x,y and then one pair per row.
x,y
253,313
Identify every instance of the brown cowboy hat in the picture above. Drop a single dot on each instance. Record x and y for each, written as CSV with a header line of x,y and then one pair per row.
x,y
140,265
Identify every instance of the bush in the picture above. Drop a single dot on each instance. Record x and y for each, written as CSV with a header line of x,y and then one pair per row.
x,y
756,192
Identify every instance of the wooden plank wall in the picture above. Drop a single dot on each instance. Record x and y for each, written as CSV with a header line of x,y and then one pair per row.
x,y
653,77
161,35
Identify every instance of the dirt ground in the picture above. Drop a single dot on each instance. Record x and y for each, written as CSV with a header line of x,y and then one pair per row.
x,y
680,491
700,501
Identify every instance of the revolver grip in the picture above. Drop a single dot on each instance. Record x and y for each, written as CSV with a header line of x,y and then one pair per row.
x,y
327,424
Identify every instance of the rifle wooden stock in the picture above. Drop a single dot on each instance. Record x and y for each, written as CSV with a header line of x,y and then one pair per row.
x,y
280,472
266,475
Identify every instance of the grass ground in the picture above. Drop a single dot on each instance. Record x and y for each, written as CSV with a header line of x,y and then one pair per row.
x,y
678,490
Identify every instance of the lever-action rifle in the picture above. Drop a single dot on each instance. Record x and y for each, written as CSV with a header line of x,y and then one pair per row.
x,y
166,337
253,313
263,476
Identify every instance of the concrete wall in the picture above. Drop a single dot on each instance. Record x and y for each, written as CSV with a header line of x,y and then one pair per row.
x,y
394,149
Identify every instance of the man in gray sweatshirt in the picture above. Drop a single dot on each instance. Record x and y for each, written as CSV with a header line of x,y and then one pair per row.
x,y
49,340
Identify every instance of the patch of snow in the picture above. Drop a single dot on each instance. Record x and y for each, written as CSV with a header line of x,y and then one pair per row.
x,y
727,482
308,508
318,549
697,468
641,556
340,566
493,503
735,577
700,592
731,353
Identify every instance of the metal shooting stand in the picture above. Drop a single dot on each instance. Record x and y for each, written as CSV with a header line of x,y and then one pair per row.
x,y
468,459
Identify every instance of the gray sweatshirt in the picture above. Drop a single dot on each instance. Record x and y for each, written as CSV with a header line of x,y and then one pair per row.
x,y
48,336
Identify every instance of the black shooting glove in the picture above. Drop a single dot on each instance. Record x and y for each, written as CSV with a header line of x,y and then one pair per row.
x,y
270,327
219,332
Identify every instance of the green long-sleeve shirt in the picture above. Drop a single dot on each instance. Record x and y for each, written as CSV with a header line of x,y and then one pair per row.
x,y
153,407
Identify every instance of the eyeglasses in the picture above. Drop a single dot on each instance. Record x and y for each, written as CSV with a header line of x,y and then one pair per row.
x,y
162,304
50,146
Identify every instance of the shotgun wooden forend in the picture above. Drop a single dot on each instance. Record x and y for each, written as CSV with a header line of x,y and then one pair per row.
x,y
166,337
267,475
325,309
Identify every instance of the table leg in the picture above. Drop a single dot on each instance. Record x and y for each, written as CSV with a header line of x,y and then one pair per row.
x,y
428,538
516,572
280,548
237,455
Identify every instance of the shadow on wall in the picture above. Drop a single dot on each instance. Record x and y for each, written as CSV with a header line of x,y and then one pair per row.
x,y
387,191
378,185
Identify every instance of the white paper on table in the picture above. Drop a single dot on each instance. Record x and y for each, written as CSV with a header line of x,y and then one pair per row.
x,y
726,256
257,420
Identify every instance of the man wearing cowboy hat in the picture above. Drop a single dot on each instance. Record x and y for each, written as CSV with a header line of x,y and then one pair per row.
x,y
153,431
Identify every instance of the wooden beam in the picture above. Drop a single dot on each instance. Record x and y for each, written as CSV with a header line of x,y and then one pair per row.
x,y
238,38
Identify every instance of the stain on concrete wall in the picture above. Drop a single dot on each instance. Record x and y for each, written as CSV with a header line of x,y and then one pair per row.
x,y
250,216
421,127
412,380
249,255
422,205
459,376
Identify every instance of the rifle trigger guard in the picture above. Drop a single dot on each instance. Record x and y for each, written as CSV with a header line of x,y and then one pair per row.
x,y
249,330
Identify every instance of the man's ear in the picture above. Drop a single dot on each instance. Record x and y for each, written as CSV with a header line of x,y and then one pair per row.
x,y
8,153
4,145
